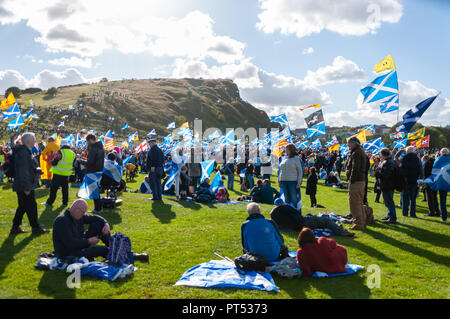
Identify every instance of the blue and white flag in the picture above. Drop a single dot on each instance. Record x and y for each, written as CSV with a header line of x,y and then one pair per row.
x,y
216,183
316,144
440,175
413,115
242,173
400,143
302,144
316,130
282,118
174,172
70,139
13,111
229,138
214,135
373,145
125,127
89,187
382,88
323,174
207,168
171,126
79,142
113,170
16,123
390,105
344,149
152,133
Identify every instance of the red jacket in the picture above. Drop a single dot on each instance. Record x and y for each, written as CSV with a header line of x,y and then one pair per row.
x,y
325,256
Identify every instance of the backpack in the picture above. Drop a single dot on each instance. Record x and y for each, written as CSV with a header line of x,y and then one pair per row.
x,y
399,180
120,250
287,268
250,261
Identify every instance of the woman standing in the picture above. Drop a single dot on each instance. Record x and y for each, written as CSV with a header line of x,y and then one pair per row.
x,y
290,175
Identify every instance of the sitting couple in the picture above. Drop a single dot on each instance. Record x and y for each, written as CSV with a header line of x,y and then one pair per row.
x,y
262,236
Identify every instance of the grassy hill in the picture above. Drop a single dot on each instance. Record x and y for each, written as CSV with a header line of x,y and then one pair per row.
x,y
154,102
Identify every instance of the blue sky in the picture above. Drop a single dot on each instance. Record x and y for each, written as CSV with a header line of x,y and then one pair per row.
x,y
282,54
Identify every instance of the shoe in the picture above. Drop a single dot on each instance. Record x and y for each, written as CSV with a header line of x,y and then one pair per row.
x,y
17,230
390,222
385,218
357,227
346,233
141,257
40,231
46,204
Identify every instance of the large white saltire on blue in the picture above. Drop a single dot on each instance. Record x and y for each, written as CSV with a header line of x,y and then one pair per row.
x,y
229,138
400,143
214,135
302,144
89,187
390,105
373,145
70,139
282,118
413,115
152,133
316,130
171,126
207,168
382,88
316,144
113,170
16,123
13,111
439,179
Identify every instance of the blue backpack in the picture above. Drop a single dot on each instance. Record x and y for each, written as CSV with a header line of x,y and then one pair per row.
x,y
120,250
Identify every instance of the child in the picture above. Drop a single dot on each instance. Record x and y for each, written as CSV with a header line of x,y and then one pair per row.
x,y
184,182
222,195
311,186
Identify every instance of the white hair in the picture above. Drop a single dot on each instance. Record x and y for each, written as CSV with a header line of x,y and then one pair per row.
x,y
444,151
253,208
27,136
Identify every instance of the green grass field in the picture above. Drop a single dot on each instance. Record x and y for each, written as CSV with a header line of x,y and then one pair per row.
x,y
414,255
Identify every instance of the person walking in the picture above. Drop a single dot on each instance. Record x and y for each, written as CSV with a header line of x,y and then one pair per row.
x,y
411,170
26,180
356,176
386,174
155,163
62,169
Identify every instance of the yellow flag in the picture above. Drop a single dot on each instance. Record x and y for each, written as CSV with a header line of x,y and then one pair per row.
x,y
9,101
335,147
386,64
417,134
361,136
185,125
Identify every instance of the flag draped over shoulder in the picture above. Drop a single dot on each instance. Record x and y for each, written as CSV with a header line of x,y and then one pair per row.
x,y
47,156
90,185
440,175
113,170
413,115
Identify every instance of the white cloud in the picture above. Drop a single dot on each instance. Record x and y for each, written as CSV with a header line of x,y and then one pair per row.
x,y
44,79
341,70
346,17
72,61
87,28
308,51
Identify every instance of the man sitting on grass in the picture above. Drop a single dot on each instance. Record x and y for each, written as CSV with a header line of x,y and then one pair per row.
x,y
261,236
266,193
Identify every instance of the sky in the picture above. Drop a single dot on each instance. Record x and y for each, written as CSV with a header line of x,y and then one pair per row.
x,y
281,53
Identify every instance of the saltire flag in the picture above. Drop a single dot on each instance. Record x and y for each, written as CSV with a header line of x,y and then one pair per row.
x,y
214,135
400,144
344,149
89,187
286,133
309,107
316,144
314,119
109,134
216,183
390,105
422,143
126,161
13,111
152,133
373,145
79,141
331,142
70,139
302,144
17,123
113,170
174,172
282,119
28,117
280,146
316,130
10,100
440,175
382,88
413,115
417,134
323,174
207,168
386,64
229,138
171,126
133,137
125,127
369,130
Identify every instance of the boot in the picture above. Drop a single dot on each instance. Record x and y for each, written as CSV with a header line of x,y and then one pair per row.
x,y
141,257
17,230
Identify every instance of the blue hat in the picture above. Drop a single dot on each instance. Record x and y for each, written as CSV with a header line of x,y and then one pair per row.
x,y
278,202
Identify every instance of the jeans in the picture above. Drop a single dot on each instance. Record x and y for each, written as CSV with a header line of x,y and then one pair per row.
x,y
314,222
290,192
251,180
155,183
433,206
230,178
27,204
59,181
409,196
443,204
388,198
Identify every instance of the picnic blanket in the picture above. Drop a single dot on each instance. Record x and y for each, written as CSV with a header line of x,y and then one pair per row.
x,y
232,203
336,218
319,232
221,273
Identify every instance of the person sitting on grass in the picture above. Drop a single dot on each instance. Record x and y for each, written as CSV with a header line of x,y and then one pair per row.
x,y
266,193
261,236
203,193
254,192
222,195
145,186
321,254
288,217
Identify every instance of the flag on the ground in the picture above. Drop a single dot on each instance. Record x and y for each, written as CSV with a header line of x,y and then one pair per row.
x,y
17,123
207,168
316,130
113,170
422,143
216,183
417,134
10,100
282,119
440,175
309,107
13,111
382,88
400,143
390,105
413,115
89,187
386,64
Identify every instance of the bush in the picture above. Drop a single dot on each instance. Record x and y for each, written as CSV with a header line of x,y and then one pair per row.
x,y
51,91
14,90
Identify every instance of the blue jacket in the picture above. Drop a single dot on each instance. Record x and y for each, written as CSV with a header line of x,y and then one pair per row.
x,y
155,158
261,236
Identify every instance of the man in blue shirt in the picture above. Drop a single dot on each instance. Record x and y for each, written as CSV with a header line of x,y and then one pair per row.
x,y
261,236
155,163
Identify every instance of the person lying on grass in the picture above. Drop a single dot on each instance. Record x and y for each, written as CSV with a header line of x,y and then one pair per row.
x,y
288,217
321,254
261,236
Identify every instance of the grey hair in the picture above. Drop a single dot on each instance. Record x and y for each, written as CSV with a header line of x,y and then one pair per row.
x,y
27,136
253,208
444,151
410,149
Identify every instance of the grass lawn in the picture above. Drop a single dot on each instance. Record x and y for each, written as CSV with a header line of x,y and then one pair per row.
x,y
414,255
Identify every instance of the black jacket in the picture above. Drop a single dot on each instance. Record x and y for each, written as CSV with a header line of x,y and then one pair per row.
x,y
410,168
96,158
286,216
155,158
311,184
68,233
386,174
428,168
26,178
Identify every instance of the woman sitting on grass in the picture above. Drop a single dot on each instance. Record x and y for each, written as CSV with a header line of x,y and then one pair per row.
x,y
321,254
222,195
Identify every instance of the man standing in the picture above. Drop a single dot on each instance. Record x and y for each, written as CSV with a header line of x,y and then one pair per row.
x,y
356,175
2,162
179,160
410,169
155,163
62,169
386,175
94,163
26,180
